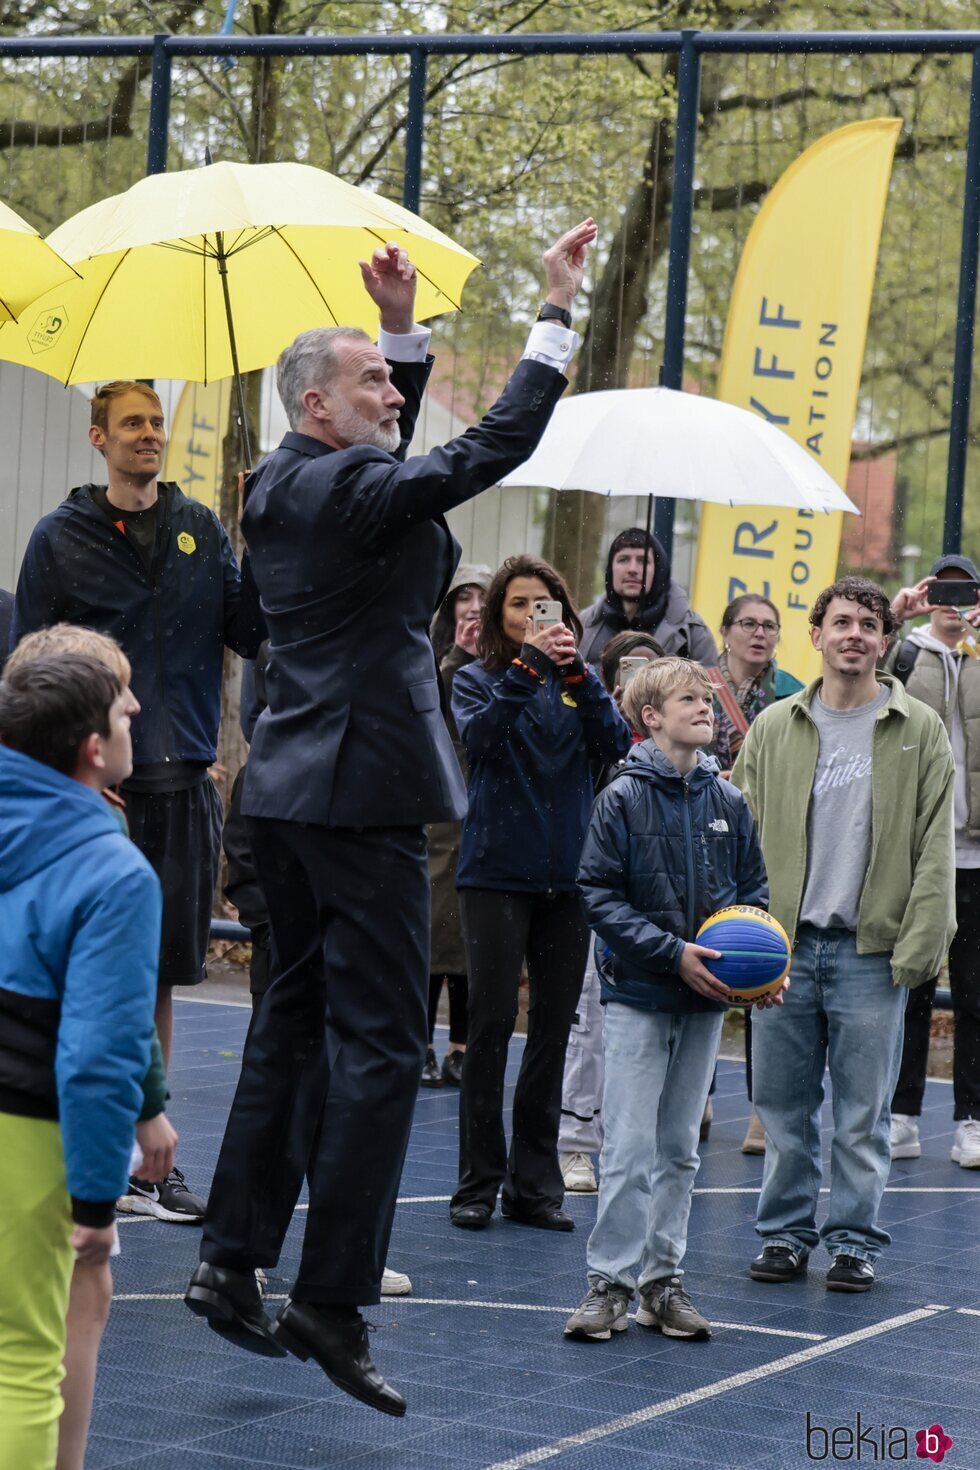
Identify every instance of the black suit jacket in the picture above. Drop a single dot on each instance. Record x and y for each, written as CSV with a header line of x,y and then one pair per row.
x,y
352,556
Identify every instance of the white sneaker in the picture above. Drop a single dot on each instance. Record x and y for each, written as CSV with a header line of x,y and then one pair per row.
x,y
905,1137
395,1283
578,1173
966,1144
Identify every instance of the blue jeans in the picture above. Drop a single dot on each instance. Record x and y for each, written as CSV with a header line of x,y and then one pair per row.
x,y
658,1071
841,1006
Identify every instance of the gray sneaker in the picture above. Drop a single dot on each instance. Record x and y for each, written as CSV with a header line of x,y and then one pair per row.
x,y
666,1305
600,1313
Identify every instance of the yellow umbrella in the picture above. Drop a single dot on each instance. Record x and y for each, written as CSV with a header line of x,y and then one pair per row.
x,y
28,265
208,273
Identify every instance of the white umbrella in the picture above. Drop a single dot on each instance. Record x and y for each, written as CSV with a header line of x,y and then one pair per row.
x,y
682,446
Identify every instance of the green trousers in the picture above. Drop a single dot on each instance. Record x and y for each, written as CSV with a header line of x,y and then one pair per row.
x,y
36,1262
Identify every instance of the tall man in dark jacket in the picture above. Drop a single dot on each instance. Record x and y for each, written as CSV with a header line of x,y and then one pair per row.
x,y
155,570
353,556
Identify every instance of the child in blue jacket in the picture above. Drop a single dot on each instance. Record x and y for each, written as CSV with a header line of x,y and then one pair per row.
x,y
80,915
669,844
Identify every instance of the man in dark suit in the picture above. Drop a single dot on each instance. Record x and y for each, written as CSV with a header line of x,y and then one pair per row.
x,y
352,556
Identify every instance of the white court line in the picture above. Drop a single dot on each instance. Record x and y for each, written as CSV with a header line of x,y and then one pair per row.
x,y
441,1301
713,1390
969,1311
146,1219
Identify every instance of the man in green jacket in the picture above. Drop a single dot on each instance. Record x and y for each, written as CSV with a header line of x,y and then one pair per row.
x,y
851,783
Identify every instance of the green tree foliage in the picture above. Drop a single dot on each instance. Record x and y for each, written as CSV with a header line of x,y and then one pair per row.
x,y
517,147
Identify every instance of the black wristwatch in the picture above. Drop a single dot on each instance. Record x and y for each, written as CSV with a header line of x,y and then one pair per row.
x,y
549,313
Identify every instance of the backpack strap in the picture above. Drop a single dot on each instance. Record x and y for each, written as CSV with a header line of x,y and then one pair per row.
x,y
727,700
908,652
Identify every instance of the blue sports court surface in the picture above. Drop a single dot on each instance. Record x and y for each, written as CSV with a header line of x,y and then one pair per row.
x,y
478,1348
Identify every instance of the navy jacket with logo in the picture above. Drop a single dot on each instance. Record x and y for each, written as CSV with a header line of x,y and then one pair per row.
x,y
529,746
663,853
173,620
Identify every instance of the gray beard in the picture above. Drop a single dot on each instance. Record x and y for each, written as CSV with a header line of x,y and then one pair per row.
x,y
354,428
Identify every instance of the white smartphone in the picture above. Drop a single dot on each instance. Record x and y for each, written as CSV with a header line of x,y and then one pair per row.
x,y
629,668
545,613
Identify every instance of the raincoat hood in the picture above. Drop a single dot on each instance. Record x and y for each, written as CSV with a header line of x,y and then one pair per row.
x,y
44,816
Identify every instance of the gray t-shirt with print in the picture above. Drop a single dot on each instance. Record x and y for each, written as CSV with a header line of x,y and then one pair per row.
x,y
839,824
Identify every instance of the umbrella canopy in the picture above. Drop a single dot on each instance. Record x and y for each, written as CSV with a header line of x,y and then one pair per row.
x,y
28,265
661,442
283,238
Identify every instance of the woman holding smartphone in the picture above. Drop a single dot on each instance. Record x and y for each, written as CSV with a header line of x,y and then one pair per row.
x,y
532,716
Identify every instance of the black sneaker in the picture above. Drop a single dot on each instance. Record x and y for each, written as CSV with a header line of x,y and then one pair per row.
x,y
452,1068
167,1199
850,1273
778,1263
431,1076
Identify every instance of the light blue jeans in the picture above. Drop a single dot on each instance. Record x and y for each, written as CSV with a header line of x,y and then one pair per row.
x,y
841,1007
658,1071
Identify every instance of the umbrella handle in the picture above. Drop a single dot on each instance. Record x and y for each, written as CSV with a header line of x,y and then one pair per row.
x,y
222,260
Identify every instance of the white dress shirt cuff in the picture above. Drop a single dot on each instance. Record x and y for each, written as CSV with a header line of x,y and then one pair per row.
x,y
410,346
552,343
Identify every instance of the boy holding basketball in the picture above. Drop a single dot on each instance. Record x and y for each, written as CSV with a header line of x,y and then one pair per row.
x,y
668,845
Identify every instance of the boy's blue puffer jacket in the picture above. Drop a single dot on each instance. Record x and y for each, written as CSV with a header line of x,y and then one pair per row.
x,y
80,919
529,746
663,852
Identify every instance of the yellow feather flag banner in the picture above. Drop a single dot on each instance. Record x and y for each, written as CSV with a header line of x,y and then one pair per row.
x,y
794,345
196,433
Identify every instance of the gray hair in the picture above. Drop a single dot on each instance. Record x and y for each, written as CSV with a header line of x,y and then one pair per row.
x,y
310,362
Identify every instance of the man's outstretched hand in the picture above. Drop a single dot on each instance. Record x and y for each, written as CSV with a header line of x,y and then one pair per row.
x,y
390,280
564,263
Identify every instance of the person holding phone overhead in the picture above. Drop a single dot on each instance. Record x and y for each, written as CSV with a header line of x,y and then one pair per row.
x,y
532,715
937,662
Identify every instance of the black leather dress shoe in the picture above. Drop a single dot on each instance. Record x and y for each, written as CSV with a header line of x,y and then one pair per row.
x,y
471,1217
231,1303
338,1342
540,1219
452,1068
430,1072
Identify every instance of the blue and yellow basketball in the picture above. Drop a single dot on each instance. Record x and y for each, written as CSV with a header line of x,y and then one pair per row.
x,y
755,951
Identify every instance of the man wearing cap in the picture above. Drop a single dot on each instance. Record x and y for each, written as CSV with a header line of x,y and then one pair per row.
x,y
938,663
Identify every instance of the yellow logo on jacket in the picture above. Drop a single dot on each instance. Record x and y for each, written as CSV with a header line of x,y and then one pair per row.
x,y
186,542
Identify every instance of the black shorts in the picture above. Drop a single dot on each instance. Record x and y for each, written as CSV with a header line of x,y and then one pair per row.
x,y
179,833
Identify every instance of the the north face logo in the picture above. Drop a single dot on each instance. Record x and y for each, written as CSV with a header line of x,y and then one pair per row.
x,y
718,825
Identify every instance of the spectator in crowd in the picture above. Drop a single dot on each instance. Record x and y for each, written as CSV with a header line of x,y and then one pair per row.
x,y
6,619
531,715
938,664
580,1129
747,681
455,629
137,560
80,916
641,594
862,882
91,1285
347,764
647,886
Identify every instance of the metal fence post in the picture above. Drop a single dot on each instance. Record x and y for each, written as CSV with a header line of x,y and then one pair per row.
x,y
159,127
966,309
415,131
682,200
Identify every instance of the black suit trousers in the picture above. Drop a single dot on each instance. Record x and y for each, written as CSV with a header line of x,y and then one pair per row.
x,y
332,1059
